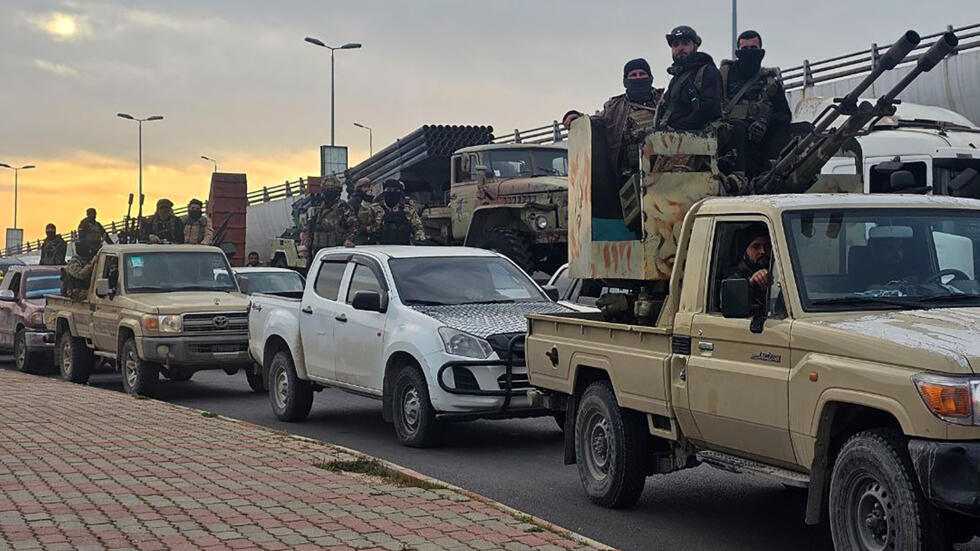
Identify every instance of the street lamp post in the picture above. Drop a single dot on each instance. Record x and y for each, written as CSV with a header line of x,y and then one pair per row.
x,y
16,170
206,158
348,46
139,123
370,138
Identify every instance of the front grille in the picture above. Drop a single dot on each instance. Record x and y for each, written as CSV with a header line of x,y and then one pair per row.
x,y
518,381
216,322
219,348
501,342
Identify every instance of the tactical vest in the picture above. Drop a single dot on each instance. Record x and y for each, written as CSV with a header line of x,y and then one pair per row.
x,y
753,100
73,287
639,123
165,229
395,227
673,89
201,226
328,230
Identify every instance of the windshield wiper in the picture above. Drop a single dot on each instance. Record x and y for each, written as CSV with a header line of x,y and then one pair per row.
x,y
950,298
911,305
146,288
427,303
501,301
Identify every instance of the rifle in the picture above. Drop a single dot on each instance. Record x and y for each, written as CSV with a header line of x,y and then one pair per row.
x,y
219,234
139,220
126,236
800,162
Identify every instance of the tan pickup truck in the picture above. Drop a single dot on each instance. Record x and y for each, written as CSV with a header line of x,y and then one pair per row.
x,y
853,370
154,309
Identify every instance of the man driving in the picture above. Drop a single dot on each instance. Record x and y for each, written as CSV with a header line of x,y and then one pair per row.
x,y
756,248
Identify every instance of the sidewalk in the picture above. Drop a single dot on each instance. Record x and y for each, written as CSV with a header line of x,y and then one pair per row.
x,y
86,468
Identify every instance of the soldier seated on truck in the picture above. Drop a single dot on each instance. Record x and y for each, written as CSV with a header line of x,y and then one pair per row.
x,y
76,277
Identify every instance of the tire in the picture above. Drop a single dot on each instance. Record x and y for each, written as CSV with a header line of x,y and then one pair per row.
x,y
512,244
24,361
875,500
612,448
74,358
139,376
412,412
290,396
256,381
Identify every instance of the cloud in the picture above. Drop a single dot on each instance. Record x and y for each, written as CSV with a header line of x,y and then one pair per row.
x,y
56,68
61,26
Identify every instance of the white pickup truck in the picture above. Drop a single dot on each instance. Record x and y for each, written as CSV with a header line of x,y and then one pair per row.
x,y
436,333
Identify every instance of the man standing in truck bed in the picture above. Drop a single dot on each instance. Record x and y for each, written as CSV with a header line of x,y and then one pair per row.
x,y
77,275
163,226
693,97
396,219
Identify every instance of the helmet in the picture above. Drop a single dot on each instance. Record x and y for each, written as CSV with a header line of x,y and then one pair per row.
x,y
331,183
165,203
364,182
683,31
393,183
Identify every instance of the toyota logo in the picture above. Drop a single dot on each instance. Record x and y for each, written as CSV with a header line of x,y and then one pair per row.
x,y
220,321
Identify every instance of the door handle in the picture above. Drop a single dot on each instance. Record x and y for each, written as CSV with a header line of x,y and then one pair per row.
x,y
307,310
341,318
706,346
257,307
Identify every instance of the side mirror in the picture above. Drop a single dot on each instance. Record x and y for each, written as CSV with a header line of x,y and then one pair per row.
x,y
369,301
483,173
243,284
7,296
551,291
735,298
102,287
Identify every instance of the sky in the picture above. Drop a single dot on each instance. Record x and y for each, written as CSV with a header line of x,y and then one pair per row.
x,y
235,81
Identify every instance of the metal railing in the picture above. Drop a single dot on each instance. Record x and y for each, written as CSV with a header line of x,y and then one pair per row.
x,y
811,73
549,133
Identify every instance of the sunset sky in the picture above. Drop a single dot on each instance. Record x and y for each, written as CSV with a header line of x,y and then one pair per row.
x,y
235,80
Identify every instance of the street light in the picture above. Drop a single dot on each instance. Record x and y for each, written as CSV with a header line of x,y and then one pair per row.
x,y
16,170
370,137
348,46
140,122
212,160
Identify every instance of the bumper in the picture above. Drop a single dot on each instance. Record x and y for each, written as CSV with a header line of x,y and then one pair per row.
x,y
216,352
37,341
949,473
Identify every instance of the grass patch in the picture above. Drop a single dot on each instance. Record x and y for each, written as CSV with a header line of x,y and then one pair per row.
x,y
210,414
140,397
372,467
526,519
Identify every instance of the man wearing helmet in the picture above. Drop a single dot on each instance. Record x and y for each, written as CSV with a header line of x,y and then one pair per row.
x,y
693,97
333,222
395,219
162,226
363,196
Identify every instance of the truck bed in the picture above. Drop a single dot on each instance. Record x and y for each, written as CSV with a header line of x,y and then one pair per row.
x,y
635,358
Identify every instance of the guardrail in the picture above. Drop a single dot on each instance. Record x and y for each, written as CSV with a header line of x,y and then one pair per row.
x,y
811,73
549,133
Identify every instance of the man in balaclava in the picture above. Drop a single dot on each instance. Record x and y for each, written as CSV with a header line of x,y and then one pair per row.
x,y
756,248
755,104
395,218
76,276
162,226
363,196
334,222
198,229
693,97
54,247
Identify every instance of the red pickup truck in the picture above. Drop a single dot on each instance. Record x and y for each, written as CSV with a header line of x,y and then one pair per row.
x,y
22,315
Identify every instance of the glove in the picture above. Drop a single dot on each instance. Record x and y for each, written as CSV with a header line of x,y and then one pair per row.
x,y
757,131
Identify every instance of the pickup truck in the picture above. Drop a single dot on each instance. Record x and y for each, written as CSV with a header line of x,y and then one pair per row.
x,y
154,309
853,371
22,315
427,330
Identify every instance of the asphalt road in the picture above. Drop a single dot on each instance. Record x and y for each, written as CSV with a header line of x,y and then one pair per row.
x,y
519,463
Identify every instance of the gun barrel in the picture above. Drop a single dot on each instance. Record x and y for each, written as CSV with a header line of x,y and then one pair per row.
x,y
946,44
898,52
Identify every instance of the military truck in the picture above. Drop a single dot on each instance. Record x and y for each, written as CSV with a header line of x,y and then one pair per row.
x,y
510,198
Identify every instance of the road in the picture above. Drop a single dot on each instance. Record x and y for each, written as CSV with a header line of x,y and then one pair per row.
x,y
519,463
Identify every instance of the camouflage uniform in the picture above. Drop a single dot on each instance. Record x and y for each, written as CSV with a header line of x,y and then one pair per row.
x,y
381,222
53,251
755,98
91,230
198,232
170,230
332,226
76,277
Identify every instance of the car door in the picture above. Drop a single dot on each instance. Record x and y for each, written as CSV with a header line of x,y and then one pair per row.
x,y
316,318
8,308
359,334
463,194
105,312
737,380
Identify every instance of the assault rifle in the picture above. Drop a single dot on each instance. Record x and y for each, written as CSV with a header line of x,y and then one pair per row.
x,y
800,162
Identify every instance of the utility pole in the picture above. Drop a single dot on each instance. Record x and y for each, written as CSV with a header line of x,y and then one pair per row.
x,y
734,27
348,46
139,123
16,170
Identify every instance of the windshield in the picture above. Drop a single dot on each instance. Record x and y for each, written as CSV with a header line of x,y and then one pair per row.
x,y
42,284
461,280
177,271
512,163
859,259
272,282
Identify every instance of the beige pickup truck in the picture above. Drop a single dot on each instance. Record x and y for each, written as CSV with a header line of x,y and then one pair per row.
x,y
154,309
854,371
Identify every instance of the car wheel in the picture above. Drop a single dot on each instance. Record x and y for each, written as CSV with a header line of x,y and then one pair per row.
x,y
290,396
139,376
414,417
24,361
256,381
512,244
875,502
74,358
611,445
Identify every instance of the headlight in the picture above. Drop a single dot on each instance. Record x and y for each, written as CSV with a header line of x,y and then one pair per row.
x,y
463,344
162,324
36,320
541,222
952,399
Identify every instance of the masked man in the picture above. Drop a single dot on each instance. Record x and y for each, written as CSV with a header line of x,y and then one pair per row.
x,y
333,222
197,226
54,247
395,218
162,226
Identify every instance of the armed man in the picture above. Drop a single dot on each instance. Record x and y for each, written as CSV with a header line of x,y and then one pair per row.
x,y
54,247
198,229
363,196
755,105
77,275
693,97
89,229
333,222
162,226
395,218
